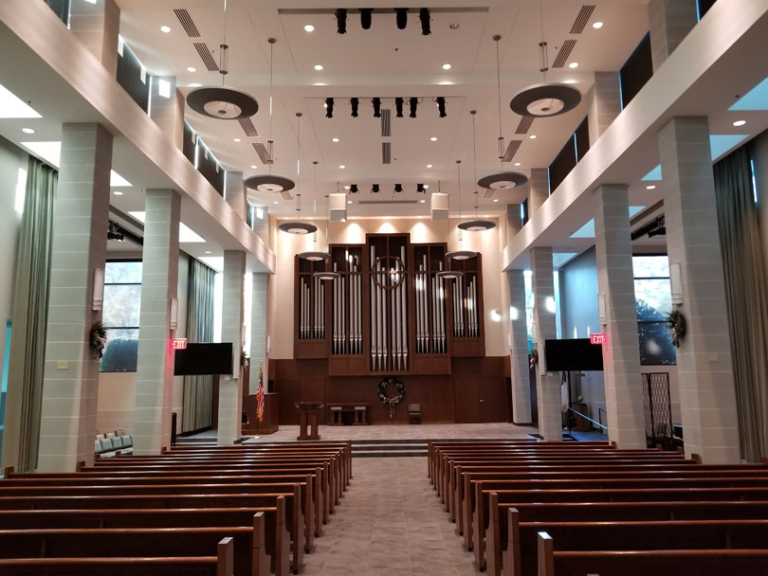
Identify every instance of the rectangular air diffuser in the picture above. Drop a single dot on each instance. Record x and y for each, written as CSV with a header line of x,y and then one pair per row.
x,y
338,207
438,204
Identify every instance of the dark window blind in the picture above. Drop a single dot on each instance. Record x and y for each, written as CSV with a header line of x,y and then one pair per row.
x,y
637,70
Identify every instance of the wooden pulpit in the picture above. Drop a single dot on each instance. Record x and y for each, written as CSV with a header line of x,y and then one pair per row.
x,y
309,416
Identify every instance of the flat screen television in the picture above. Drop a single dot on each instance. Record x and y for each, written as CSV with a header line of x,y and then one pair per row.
x,y
203,359
574,354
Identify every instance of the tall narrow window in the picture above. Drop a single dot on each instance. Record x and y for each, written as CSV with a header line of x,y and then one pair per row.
x,y
122,305
653,297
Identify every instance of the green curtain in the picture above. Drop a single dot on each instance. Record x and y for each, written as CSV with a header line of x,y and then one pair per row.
x,y
746,298
30,317
198,390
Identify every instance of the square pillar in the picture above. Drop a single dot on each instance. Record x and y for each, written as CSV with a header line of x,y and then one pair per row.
x,y
605,105
167,108
97,25
518,349
670,22
621,355
259,325
159,285
704,363
545,328
539,191
514,221
71,375
235,195
230,388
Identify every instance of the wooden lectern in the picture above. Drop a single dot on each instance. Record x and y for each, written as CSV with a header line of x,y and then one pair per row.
x,y
309,416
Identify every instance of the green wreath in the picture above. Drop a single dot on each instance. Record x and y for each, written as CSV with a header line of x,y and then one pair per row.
x,y
391,401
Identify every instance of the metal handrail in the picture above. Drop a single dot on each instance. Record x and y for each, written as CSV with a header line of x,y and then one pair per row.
x,y
588,419
599,412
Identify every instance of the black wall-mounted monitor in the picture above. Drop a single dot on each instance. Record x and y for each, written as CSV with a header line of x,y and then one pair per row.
x,y
574,354
203,359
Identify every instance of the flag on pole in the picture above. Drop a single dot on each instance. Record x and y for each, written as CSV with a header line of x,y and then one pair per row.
x,y
260,393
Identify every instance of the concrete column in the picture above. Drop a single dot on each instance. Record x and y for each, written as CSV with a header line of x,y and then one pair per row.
x,y
514,221
167,108
707,396
159,285
261,225
605,105
545,328
230,387
97,26
670,22
621,355
539,190
259,352
71,377
234,194
518,349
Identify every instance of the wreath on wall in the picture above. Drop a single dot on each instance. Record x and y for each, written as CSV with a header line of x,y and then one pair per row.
x,y
676,325
97,339
391,401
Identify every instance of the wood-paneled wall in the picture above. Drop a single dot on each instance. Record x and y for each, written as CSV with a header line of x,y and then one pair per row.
x,y
476,391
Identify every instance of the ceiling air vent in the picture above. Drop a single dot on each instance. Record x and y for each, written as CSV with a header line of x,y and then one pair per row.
x,y
386,152
386,123
248,127
186,22
263,153
512,148
564,54
525,124
581,20
286,195
205,55
386,202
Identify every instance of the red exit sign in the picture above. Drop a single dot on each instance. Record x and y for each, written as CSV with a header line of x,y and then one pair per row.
x,y
179,343
598,339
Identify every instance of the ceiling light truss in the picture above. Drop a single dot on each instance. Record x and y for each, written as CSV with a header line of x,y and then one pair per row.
x,y
378,112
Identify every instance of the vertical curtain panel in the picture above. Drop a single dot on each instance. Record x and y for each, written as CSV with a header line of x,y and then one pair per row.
x,y
746,298
30,317
198,390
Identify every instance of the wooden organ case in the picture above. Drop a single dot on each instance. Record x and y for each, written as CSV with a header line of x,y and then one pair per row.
x,y
388,312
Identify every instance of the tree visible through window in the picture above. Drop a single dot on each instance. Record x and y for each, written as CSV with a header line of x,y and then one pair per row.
x,y
122,303
653,297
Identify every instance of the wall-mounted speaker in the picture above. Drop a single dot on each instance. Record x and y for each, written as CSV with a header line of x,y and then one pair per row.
x,y
438,204
338,207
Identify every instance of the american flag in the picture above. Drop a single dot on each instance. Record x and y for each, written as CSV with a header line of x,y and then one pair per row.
x,y
260,393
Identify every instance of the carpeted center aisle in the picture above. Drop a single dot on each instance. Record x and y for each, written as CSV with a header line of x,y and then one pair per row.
x,y
390,523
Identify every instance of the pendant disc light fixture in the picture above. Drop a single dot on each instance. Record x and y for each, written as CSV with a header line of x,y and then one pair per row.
x,y
548,98
269,182
315,255
459,254
297,226
476,225
222,102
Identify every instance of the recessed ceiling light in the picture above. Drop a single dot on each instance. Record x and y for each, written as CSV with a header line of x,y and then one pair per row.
x,y
422,201
253,167
191,69
318,67
495,199
207,251
446,66
349,201
194,85
518,163
31,131
165,29
426,186
434,139
237,139
309,28
117,192
429,165
571,81
597,25
276,202
651,187
334,139
341,166
739,123
532,136
573,65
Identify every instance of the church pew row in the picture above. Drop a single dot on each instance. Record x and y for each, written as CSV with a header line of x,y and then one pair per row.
x,y
619,525
643,563
220,565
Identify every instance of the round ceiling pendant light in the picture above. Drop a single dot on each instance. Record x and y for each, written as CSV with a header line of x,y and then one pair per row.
x,y
460,254
450,275
327,275
315,255
476,225
222,102
502,180
298,227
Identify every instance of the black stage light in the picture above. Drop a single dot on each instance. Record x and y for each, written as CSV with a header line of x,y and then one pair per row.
x,y
377,107
329,107
375,189
413,103
354,102
353,189
426,27
399,107
402,18
398,188
441,106
366,18
420,188
341,21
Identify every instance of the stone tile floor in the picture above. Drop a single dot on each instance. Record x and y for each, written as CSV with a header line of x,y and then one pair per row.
x,y
390,523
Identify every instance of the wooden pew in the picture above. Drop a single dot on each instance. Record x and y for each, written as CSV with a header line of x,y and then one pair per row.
x,y
645,563
220,565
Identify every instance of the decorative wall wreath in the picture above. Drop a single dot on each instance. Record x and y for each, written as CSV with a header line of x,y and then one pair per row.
x,y
97,340
392,401
676,325
534,359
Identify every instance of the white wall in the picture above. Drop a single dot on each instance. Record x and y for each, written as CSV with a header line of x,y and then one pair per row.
x,y
286,246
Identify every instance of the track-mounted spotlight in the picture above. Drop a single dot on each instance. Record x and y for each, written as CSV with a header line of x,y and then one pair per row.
x,y
355,103
353,189
341,21
366,18
441,106
399,188
375,189
420,189
413,103
426,27
329,107
399,107
376,107
401,18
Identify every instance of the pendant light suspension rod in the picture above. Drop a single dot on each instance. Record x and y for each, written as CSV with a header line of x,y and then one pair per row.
x,y
224,50
502,147
314,201
298,162
270,142
544,52
461,217
474,156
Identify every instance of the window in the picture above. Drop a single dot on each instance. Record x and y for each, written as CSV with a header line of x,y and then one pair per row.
x,y
122,304
653,298
528,281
